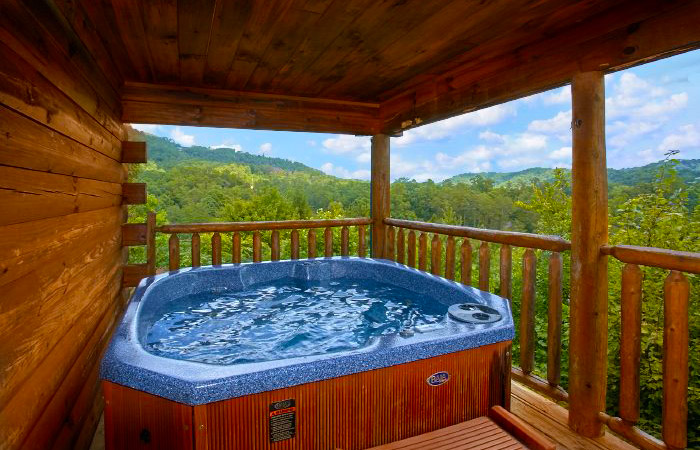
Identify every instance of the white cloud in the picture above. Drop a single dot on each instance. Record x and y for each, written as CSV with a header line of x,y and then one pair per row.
x,y
265,149
563,153
145,127
179,136
444,128
688,136
560,97
559,126
490,136
339,171
358,147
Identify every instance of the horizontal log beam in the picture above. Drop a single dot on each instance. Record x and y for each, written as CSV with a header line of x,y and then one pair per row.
x,y
133,274
225,227
654,257
134,234
161,104
527,240
134,152
632,33
133,193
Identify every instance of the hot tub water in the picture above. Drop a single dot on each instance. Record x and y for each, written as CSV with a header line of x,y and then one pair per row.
x,y
288,318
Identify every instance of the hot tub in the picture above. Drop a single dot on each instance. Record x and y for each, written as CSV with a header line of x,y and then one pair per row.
x,y
311,354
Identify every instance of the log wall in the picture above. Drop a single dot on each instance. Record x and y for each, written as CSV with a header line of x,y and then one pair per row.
x,y
61,213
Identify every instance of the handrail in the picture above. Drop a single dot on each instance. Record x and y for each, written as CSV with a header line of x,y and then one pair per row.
x,y
223,227
529,240
403,248
654,257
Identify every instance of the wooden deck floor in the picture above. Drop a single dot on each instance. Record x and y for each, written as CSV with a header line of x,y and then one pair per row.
x,y
541,413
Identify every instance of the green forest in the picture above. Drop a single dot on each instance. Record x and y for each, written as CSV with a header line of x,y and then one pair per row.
x,y
655,205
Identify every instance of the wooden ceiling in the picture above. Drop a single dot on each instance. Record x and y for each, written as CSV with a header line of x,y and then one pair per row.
x,y
379,65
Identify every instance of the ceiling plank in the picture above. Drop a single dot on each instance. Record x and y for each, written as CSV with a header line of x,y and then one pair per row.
x,y
258,34
148,103
160,17
127,14
194,22
550,63
230,20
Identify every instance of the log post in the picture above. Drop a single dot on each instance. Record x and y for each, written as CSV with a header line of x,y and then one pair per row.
x,y
589,276
151,243
380,192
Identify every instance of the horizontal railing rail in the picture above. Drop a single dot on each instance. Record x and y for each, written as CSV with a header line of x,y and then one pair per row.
x,y
402,249
224,227
675,344
236,228
514,238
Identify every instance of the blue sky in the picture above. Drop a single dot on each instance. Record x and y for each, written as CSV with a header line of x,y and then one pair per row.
x,y
650,109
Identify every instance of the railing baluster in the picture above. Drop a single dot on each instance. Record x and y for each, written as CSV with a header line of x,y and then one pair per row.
x,y
236,248
435,255
257,254
361,249
465,254
294,238
450,258
344,241
328,240
484,266
312,243
275,245
400,247
216,249
675,363
422,251
527,312
554,319
411,253
196,250
506,272
630,342
389,242
173,252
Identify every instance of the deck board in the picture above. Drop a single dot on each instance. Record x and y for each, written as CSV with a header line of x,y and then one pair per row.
x,y
543,414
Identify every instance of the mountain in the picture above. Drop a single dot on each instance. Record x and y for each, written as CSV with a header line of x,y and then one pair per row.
x,y
167,153
688,170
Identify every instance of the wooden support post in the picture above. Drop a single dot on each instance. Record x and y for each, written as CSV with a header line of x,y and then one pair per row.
x,y
466,262
151,243
173,252
589,275
196,252
554,319
630,342
236,248
216,249
411,254
380,192
275,245
361,252
294,251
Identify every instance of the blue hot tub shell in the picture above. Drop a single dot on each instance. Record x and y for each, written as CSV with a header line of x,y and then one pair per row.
x,y
128,363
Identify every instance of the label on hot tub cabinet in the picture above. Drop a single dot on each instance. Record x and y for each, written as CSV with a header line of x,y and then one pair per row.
x,y
282,422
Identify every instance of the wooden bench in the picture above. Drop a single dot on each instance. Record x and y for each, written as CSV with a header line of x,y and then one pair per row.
x,y
501,430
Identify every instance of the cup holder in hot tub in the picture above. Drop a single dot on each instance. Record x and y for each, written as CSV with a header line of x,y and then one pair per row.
x,y
473,313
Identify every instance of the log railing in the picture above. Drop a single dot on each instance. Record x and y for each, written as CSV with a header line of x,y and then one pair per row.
x,y
405,238
237,228
675,344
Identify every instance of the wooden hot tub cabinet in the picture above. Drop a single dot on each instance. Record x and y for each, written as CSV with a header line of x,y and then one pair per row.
x,y
351,412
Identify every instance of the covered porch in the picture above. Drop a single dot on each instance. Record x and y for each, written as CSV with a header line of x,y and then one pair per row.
x,y
73,74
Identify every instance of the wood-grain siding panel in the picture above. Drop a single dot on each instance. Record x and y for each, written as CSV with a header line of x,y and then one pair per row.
x,y
28,195
41,307
61,257
29,144
43,39
364,409
39,406
26,91
49,242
